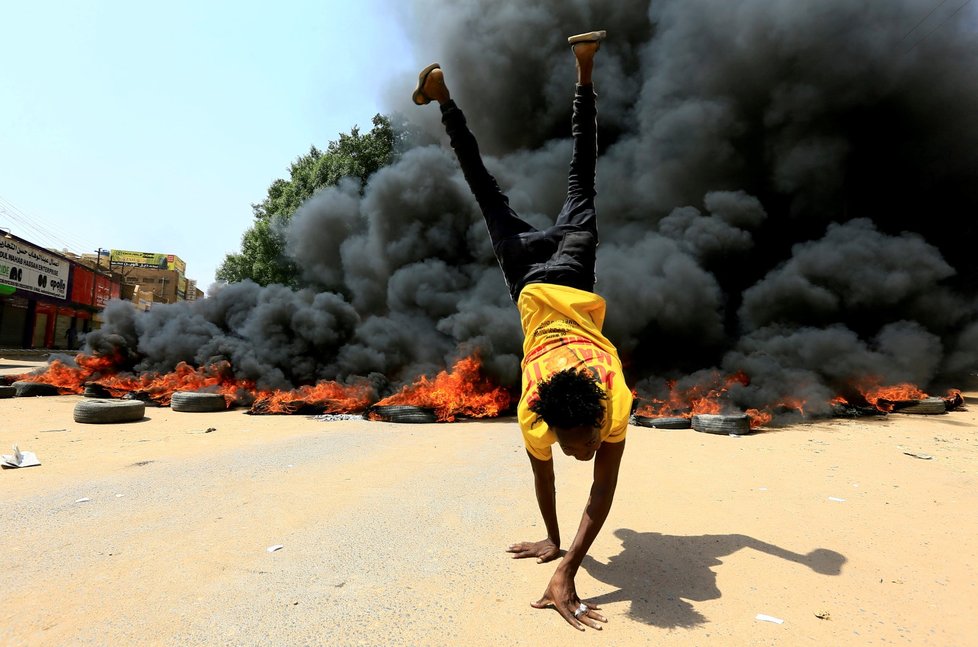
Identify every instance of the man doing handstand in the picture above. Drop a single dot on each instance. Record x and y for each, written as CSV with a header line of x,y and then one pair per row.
x,y
574,393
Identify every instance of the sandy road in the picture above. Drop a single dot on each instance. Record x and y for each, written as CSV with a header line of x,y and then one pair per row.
x,y
394,534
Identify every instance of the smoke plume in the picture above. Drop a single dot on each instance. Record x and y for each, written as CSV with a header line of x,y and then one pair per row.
x,y
784,189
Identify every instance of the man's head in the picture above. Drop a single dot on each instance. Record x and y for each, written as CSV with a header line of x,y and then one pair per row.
x,y
572,403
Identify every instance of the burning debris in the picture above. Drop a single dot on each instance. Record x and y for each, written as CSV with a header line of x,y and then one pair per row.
x,y
462,392
712,394
321,398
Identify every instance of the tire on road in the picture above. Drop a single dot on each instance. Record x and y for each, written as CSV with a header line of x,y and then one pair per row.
x,y
93,390
709,423
927,406
28,389
109,411
401,413
663,423
192,401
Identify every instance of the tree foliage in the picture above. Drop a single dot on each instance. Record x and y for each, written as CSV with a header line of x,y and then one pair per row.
x,y
354,154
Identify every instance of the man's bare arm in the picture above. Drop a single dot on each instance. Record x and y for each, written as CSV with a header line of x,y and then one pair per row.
x,y
561,591
607,461
543,483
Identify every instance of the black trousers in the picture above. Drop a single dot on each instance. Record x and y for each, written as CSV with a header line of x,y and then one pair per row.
x,y
562,254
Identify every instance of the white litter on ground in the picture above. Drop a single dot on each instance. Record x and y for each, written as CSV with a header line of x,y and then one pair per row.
x,y
19,459
766,618
272,549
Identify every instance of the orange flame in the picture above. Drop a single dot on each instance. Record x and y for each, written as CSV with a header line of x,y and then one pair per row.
x,y
328,396
758,418
710,397
462,392
792,404
883,397
700,398
953,399
216,378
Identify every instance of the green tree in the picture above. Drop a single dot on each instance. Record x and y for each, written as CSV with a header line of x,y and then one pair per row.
x,y
262,257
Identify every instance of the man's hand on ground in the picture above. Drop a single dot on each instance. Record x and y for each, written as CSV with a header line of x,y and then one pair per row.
x,y
562,594
544,550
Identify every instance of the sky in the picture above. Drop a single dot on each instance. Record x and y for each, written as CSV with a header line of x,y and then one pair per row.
x,y
155,126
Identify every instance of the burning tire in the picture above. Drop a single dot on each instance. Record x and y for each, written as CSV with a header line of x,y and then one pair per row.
x,y
27,389
7,392
93,390
109,411
400,413
662,423
142,396
191,401
927,406
733,425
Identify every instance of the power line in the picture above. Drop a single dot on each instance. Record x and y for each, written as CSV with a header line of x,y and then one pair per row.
x,y
939,25
924,19
13,213
45,234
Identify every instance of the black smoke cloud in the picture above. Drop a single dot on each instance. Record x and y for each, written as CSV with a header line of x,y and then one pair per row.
x,y
785,189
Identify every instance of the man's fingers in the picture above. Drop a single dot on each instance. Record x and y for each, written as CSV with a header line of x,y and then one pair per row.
x,y
542,603
590,620
591,623
569,617
520,550
594,615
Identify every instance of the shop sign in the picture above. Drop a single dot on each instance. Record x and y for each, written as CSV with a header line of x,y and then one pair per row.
x,y
29,268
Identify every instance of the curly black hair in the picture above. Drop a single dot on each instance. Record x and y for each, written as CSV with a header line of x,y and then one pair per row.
x,y
570,398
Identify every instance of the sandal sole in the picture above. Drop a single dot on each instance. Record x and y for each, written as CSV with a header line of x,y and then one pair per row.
x,y
419,97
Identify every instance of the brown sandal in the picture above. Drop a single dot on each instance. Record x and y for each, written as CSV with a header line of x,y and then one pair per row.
x,y
589,37
419,97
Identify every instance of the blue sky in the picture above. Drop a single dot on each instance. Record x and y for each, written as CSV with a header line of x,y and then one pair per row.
x,y
155,126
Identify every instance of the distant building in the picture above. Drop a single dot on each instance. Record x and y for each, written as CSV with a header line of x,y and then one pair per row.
x,y
193,293
161,276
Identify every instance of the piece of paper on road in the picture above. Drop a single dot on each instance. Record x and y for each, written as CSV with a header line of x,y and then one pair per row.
x,y
19,459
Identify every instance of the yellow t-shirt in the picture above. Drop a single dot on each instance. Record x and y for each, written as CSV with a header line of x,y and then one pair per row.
x,y
562,329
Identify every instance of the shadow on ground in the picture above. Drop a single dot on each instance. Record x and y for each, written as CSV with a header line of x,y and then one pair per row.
x,y
659,574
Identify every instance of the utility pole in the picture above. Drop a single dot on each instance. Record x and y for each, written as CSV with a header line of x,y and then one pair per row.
x,y
98,267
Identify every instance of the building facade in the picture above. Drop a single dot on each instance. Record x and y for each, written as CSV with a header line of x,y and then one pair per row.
x,y
47,300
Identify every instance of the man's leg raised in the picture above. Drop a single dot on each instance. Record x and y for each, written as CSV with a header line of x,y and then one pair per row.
x,y
501,220
578,209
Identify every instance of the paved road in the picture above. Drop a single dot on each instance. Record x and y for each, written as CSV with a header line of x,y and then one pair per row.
x,y
381,529
394,534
